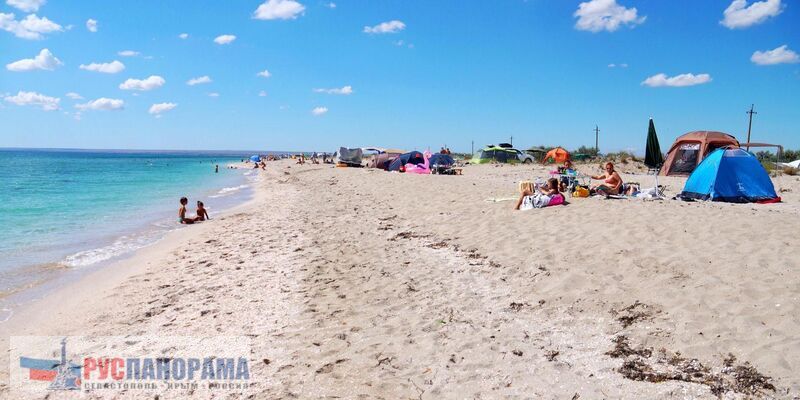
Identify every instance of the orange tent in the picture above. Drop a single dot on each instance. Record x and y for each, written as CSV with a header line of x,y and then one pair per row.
x,y
558,154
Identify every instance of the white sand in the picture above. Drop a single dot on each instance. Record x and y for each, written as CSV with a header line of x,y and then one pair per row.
x,y
358,283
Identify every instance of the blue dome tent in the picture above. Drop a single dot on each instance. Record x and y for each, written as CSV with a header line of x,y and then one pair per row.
x,y
255,158
731,175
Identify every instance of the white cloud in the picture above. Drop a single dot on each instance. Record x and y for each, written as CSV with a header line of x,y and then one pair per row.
x,y
199,80
152,82
623,65
74,96
213,94
45,60
386,27
605,15
331,5
32,27
102,104
264,74
91,25
47,103
279,9
26,5
128,53
681,80
317,111
106,68
158,108
739,15
780,55
346,90
224,39
184,36
262,94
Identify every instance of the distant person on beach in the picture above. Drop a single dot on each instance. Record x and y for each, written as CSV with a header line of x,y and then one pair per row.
x,y
612,182
202,213
182,212
531,197
216,169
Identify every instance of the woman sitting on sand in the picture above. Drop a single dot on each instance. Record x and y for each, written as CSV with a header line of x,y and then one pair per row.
x,y
612,182
531,197
202,213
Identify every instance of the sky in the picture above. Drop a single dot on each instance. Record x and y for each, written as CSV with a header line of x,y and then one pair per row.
x,y
314,75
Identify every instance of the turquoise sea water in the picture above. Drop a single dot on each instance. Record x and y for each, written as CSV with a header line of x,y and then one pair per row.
x,y
64,210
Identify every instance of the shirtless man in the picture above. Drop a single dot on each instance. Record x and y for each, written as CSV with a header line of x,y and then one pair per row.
x,y
612,182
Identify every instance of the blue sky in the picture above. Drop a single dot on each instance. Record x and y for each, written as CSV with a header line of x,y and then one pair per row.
x,y
444,72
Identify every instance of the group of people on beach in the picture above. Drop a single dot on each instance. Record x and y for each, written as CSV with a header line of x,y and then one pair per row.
x,y
202,213
550,193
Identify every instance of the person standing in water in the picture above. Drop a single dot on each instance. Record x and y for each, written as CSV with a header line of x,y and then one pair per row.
x,y
216,169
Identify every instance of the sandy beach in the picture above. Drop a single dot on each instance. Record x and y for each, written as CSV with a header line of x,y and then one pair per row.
x,y
358,283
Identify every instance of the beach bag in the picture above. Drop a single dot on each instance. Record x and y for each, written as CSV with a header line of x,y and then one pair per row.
x,y
581,191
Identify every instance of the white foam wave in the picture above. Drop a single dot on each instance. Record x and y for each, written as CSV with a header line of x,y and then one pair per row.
x,y
123,245
228,190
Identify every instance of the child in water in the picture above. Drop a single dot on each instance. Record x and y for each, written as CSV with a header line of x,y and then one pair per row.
x,y
182,212
202,214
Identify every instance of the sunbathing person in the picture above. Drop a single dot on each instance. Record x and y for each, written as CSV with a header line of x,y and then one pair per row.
x,y
612,182
531,197
182,212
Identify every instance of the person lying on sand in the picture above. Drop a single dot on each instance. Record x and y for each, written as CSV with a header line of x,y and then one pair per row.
x,y
531,197
612,182
182,212
202,213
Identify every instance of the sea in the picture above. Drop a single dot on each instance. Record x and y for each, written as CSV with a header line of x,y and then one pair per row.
x,y
63,212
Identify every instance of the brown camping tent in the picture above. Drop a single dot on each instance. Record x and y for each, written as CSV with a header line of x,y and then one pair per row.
x,y
691,148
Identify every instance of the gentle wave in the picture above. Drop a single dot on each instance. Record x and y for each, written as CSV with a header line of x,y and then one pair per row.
x,y
228,190
121,246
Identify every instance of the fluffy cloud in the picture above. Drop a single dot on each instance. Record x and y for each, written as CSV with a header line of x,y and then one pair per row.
x,y
262,94
32,27
739,15
198,80
224,39
213,94
386,27
91,25
26,5
346,90
780,55
45,60
102,104
264,74
158,108
681,80
184,36
605,15
128,53
47,103
74,96
331,5
279,9
618,65
317,111
106,68
152,82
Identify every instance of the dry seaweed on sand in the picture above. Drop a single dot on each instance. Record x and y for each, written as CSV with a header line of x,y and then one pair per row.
x,y
633,313
640,365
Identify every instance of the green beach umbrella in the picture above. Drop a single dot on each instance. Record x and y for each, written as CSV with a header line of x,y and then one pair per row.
x,y
653,157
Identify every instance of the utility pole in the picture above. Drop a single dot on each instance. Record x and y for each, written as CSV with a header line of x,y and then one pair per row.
x,y
473,148
512,141
750,125
596,140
